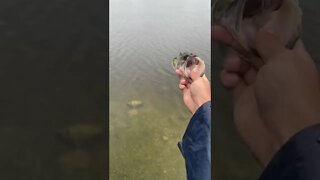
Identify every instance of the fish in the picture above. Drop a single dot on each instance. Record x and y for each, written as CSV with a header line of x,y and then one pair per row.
x,y
244,18
187,62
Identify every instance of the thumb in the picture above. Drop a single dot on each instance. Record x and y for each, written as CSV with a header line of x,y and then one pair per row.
x,y
268,45
194,75
204,77
300,48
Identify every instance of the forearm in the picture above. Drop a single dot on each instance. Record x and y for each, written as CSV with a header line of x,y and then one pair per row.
x,y
196,144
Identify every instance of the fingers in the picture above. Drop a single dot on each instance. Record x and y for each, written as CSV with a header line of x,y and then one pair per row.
x,y
233,82
229,80
268,46
183,81
221,35
178,72
233,63
182,84
182,87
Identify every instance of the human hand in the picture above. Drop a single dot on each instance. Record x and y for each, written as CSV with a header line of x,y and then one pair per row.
x,y
272,103
195,93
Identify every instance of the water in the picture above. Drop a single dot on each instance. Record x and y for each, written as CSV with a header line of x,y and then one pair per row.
x,y
53,75
144,37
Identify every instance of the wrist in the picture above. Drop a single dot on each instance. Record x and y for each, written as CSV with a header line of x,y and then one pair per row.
x,y
198,106
282,137
202,101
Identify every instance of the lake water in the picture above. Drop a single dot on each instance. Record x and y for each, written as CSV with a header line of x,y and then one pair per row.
x,y
145,35
53,76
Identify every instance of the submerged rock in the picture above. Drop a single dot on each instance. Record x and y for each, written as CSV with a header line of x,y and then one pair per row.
x,y
135,104
81,135
165,138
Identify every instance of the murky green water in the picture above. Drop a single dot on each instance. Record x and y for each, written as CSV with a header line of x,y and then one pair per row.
x,y
144,36
53,75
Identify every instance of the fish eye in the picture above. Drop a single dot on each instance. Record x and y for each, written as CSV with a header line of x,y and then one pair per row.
x,y
185,57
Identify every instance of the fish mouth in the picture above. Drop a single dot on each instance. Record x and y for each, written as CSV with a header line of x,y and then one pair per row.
x,y
253,7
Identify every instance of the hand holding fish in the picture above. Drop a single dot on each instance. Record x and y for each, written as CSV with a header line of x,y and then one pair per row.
x,y
187,63
195,93
242,19
277,100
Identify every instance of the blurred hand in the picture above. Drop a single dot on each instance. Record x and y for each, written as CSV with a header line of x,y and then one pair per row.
x,y
196,93
274,102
